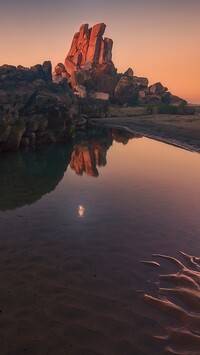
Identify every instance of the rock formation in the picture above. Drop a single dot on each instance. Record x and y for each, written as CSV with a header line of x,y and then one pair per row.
x,y
92,74
33,110
88,48
88,63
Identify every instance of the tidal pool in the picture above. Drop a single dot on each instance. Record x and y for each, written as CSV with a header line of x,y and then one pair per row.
x,y
75,220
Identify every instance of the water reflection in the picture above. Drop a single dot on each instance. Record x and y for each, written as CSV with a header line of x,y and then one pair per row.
x,y
26,176
81,211
81,274
91,149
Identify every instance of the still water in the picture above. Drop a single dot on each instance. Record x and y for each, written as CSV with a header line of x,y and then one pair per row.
x,y
75,222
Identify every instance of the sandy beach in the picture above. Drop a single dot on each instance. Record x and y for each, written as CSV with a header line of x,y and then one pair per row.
x,y
178,130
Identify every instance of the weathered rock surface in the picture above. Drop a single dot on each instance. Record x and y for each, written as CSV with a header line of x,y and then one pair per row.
x,y
126,90
89,65
89,48
33,110
129,72
89,62
157,89
92,107
60,74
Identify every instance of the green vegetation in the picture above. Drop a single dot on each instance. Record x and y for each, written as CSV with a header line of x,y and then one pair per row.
x,y
168,109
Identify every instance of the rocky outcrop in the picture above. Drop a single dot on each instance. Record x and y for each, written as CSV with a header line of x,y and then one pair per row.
x,y
88,48
60,74
157,89
33,110
126,90
89,70
88,63
92,107
157,94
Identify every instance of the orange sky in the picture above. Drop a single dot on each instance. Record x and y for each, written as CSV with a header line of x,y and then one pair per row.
x,y
159,39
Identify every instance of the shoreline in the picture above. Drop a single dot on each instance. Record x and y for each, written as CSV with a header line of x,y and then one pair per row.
x,y
182,131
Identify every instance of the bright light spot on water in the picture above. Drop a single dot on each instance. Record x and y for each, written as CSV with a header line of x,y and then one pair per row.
x,y
81,211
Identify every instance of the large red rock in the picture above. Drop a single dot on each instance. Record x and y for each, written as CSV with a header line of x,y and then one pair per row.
x,y
96,39
88,48
106,51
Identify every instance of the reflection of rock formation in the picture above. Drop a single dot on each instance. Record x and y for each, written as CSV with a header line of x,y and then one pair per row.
x,y
123,136
90,151
86,158
25,177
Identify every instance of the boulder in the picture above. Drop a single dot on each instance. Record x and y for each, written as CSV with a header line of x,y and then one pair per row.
x,y
166,97
175,100
94,48
80,91
126,90
99,95
47,69
141,81
33,110
157,89
106,51
104,77
59,69
129,72
6,69
93,108
88,48
153,99
77,78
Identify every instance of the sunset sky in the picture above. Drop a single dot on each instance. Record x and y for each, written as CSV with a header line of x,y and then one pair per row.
x,y
159,39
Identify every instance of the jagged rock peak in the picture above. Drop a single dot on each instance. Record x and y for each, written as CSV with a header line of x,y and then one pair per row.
x,y
89,48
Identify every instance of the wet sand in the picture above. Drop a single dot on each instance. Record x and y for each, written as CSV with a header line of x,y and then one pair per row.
x,y
59,297
179,297
67,302
179,130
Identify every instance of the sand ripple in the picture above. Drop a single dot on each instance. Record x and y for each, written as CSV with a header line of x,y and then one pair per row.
x,y
182,302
